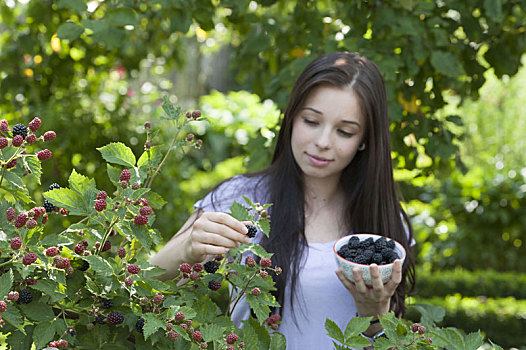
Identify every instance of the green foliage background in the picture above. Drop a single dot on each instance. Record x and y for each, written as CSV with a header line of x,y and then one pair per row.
x,y
95,71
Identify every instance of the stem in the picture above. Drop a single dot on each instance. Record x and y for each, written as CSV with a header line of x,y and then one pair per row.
x,y
6,262
229,311
166,155
106,235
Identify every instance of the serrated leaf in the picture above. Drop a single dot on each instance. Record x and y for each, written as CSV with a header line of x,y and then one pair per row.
x,y
50,288
356,326
37,311
43,334
431,314
358,341
155,200
264,226
150,158
172,113
141,234
80,183
69,31
68,199
113,173
255,335
14,317
333,330
55,240
447,64
14,180
382,343
77,5
21,340
473,341
6,281
99,265
389,322
239,212
278,341
121,17
118,153
35,167
212,332
259,306
401,329
151,324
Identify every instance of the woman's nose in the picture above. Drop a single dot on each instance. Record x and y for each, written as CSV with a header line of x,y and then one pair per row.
x,y
323,140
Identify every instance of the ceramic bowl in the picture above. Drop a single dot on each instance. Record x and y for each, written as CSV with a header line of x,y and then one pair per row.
x,y
346,265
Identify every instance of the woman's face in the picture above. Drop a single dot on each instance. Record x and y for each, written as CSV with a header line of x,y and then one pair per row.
x,y
327,131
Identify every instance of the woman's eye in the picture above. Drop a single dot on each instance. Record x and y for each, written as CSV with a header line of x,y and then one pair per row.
x,y
310,122
345,133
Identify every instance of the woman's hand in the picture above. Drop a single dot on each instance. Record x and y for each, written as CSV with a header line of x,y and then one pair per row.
x,y
375,300
214,234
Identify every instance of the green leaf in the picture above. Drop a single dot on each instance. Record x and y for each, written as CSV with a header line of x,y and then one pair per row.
x,y
151,324
38,311
43,334
356,326
447,64
333,330
357,341
118,153
382,343
494,10
68,199
264,226
172,113
21,340
6,281
239,212
69,31
473,341
389,323
14,317
113,173
80,183
431,314
151,158
50,288
155,200
278,341
255,335
121,17
258,305
34,166
212,332
77,5
99,265
401,329
142,235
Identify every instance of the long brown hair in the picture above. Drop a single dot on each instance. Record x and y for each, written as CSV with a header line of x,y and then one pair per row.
x,y
371,201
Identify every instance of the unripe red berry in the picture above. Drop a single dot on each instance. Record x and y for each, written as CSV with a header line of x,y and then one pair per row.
x,y
278,270
53,344
49,135
146,210
4,125
128,281
250,261
196,114
3,306
198,143
265,262
203,345
194,276
256,291
185,268
121,252
147,145
52,251
140,220
241,345
125,175
147,125
136,185
169,326
79,248
197,336
3,142
45,154
158,299
35,124
100,204
45,218
190,137
10,214
230,347
102,195
13,296
263,273
29,259
12,163
106,247
189,114
16,243
179,316
31,138
17,141
31,281
63,344
64,211
172,335
232,338
31,224
143,201
21,220
134,269
61,263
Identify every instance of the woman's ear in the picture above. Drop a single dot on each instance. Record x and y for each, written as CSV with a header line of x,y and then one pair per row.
x,y
361,147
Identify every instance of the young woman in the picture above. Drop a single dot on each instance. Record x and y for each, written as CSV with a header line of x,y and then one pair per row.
x,y
331,175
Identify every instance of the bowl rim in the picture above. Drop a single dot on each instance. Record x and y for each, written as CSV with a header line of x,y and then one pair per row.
x,y
402,258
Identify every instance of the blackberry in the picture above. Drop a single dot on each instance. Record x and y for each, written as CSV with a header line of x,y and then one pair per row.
x,y
360,259
20,129
380,244
391,244
25,297
115,318
211,266
48,206
377,258
85,265
53,186
107,304
214,285
139,325
100,319
252,230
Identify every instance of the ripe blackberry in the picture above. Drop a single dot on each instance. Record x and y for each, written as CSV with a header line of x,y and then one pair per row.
x,y
139,325
49,135
125,175
45,154
377,258
20,129
3,142
35,124
100,319
53,186
17,141
48,206
252,230
107,304
115,318
380,244
214,285
133,269
25,297
390,244
360,259
211,266
232,338
16,243
140,220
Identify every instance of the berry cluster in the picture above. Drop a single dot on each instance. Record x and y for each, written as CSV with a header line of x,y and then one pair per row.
x,y
369,251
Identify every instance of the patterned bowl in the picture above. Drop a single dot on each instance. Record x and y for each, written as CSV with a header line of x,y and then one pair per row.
x,y
346,266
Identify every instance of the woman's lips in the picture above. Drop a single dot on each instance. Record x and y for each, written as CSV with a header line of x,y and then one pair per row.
x,y
318,161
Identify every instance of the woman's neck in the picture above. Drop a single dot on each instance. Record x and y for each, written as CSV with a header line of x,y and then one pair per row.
x,y
322,192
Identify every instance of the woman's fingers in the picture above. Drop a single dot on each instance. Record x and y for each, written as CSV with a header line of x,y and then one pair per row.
x,y
358,281
396,277
346,282
226,226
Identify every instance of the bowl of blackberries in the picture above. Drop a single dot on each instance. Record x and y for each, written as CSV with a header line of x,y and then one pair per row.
x,y
363,249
